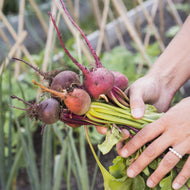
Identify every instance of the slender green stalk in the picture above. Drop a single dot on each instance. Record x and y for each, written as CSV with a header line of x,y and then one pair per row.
x,y
29,160
69,167
46,171
59,166
77,164
109,114
111,119
2,142
85,179
10,124
95,173
30,145
14,169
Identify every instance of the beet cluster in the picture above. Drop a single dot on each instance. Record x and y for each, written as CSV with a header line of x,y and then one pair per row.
x,y
71,97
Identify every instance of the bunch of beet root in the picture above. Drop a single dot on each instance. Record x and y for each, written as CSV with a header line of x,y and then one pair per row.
x,y
70,98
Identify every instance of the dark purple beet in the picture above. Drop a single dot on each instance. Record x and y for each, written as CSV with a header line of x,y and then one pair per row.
x,y
64,80
47,111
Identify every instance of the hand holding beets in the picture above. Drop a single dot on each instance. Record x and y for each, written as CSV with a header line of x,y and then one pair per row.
x,y
71,100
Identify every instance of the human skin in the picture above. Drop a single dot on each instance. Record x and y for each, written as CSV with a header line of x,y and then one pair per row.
x,y
157,87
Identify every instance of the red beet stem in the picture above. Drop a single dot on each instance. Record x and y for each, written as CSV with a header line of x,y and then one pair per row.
x,y
98,63
81,67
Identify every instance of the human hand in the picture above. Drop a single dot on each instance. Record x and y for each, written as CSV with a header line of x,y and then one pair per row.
x,y
171,130
149,89
103,130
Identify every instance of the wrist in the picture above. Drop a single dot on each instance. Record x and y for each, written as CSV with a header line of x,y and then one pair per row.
x,y
173,66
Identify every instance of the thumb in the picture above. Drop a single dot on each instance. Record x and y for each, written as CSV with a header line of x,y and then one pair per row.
x,y
137,106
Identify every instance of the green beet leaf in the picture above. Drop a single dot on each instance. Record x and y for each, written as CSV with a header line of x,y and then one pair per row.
x,y
113,136
113,183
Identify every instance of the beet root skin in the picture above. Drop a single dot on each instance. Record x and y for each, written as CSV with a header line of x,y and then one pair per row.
x,y
78,101
121,81
49,111
64,80
99,81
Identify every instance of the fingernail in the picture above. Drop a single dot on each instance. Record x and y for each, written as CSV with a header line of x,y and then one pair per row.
x,y
130,172
124,153
176,185
137,113
150,183
125,133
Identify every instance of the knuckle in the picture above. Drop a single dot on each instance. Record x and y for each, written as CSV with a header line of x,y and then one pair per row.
x,y
143,133
156,177
168,162
183,178
139,139
150,151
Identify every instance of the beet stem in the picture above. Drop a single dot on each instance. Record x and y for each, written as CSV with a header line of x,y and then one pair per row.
x,y
61,95
43,127
98,63
24,109
81,67
30,65
25,102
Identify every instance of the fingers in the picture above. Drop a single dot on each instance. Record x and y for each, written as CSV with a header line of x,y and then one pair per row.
x,y
102,130
145,135
120,144
149,154
183,176
136,104
166,165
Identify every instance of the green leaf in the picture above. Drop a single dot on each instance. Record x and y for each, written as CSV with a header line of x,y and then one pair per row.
x,y
113,136
136,183
153,165
146,171
172,31
153,50
118,169
112,183
166,183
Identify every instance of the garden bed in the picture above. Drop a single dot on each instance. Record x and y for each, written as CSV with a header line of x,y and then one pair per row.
x,y
106,160
125,58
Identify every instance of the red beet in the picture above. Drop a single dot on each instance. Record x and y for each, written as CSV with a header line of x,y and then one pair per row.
x,y
121,81
100,80
76,100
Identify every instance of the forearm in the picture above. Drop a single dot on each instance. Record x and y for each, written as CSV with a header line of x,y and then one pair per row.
x,y
173,65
